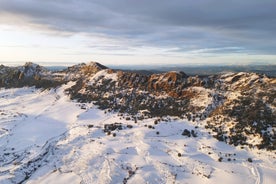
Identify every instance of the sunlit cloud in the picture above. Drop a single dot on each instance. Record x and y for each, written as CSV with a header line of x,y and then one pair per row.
x,y
154,29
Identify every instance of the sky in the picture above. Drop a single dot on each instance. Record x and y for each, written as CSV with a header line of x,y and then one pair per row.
x,y
138,32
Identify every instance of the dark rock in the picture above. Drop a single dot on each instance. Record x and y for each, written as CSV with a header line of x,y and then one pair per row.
x,y
112,127
186,133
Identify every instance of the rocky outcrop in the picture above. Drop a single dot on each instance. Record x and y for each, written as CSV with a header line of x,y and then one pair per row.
x,y
82,71
170,82
29,74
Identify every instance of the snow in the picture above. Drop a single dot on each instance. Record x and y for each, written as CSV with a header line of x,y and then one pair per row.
x,y
52,138
232,95
101,74
203,97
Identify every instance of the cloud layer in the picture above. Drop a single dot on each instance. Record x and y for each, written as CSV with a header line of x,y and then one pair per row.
x,y
180,26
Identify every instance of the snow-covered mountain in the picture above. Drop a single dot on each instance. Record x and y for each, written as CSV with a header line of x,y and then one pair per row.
x,y
92,124
236,106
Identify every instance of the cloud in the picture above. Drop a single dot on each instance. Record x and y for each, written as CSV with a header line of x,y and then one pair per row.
x,y
188,25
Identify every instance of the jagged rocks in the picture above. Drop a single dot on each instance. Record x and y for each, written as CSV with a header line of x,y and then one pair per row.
x,y
29,74
166,82
132,80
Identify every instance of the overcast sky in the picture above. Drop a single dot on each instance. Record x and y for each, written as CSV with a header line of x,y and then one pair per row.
x,y
138,31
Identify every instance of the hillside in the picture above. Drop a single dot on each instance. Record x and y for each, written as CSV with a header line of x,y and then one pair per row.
x,y
235,105
92,124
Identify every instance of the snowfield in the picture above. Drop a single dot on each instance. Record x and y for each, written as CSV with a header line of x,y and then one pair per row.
x,y
47,138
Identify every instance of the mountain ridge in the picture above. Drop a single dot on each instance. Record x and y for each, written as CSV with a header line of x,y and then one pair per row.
x,y
235,106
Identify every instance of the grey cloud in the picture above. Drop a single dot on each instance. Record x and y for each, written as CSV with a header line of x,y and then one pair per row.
x,y
185,24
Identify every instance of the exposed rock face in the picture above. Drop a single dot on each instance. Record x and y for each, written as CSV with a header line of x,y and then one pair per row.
x,y
132,80
82,71
239,108
31,70
29,74
170,83
32,74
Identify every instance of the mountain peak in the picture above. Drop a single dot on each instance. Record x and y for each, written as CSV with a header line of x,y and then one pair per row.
x,y
96,65
30,64
31,69
91,68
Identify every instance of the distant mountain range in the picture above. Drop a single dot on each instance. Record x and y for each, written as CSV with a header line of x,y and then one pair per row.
x,y
269,69
189,69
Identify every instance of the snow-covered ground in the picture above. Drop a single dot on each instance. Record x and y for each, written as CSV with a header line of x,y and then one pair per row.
x,y
46,138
